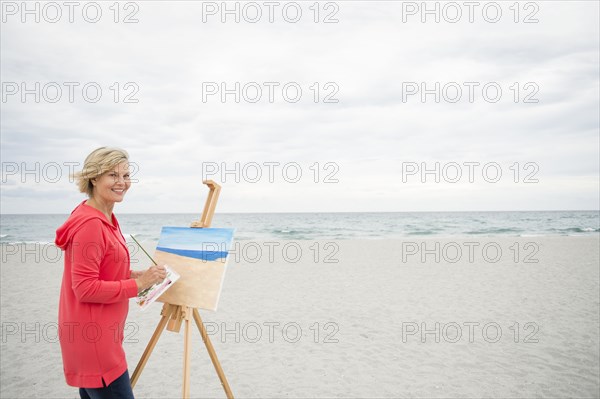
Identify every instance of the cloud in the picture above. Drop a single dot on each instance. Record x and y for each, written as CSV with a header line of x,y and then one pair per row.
x,y
174,128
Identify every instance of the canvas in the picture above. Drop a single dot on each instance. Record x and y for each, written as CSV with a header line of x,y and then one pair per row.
x,y
199,256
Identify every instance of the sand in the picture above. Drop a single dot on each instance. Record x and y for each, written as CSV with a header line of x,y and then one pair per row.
x,y
296,326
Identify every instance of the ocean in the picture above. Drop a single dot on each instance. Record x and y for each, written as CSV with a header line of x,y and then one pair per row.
x,y
339,226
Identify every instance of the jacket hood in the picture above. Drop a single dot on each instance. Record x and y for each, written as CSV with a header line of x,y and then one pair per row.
x,y
80,215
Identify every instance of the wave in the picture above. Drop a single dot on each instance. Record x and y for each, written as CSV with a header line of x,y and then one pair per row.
x,y
303,234
577,230
421,232
288,232
504,230
28,242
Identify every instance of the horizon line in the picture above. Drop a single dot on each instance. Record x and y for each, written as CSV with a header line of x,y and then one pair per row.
x,y
306,212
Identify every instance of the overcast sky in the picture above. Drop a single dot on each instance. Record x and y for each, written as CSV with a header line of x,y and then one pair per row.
x,y
361,146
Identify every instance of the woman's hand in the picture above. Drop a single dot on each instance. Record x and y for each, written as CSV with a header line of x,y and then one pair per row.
x,y
153,275
136,273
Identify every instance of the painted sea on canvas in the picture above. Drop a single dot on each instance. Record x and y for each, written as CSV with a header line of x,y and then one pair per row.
x,y
199,256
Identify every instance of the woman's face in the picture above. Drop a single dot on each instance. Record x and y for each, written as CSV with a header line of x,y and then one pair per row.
x,y
111,186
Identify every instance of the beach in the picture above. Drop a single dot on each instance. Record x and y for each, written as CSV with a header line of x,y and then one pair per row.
x,y
455,317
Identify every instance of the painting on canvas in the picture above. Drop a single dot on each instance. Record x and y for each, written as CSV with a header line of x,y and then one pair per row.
x,y
199,256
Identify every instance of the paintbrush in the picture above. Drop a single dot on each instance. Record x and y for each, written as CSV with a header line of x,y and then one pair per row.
x,y
140,245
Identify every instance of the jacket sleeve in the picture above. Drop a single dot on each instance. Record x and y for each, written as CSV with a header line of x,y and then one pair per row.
x,y
88,250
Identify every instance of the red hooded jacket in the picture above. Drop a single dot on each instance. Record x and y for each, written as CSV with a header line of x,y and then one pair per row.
x,y
94,298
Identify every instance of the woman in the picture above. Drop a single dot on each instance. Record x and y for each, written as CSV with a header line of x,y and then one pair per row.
x,y
97,281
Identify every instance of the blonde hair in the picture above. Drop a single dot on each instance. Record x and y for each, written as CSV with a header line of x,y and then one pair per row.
x,y
100,161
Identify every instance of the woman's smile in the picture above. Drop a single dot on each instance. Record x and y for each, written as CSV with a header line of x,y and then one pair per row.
x,y
111,186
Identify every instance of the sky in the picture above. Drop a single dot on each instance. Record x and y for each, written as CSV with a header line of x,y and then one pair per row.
x,y
343,106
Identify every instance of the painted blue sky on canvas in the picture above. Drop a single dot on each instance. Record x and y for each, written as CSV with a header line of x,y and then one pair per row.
x,y
194,239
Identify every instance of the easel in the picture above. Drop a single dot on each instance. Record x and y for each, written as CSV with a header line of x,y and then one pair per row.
x,y
174,315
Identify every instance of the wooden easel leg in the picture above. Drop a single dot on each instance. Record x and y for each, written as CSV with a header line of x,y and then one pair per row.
x,y
213,354
186,355
166,311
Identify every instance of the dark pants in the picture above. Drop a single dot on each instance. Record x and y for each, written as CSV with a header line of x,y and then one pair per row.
x,y
118,389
